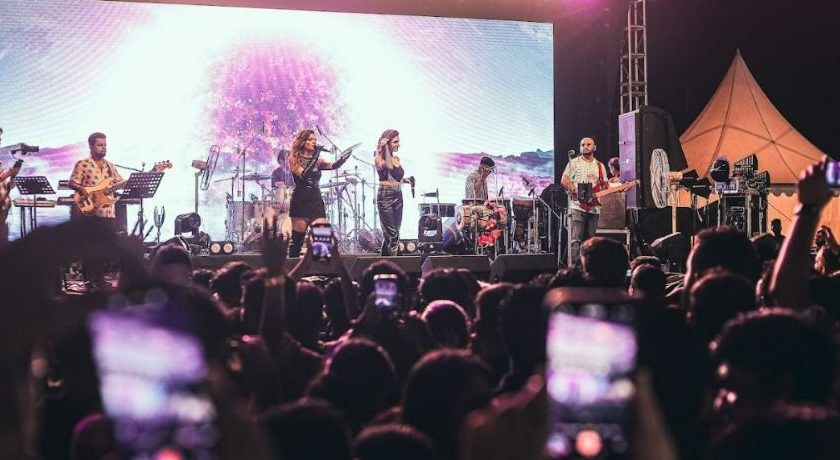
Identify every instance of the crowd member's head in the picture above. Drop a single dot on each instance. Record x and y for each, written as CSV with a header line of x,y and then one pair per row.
x,y
773,355
359,380
648,281
173,265
567,277
615,167
202,277
716,298
382,267
645,260
442,388
448,323
826,262
305,315
93,438
723,247
781,432
227,283
823,291
604,262
487,341
393,441
776,227
448,284
307,429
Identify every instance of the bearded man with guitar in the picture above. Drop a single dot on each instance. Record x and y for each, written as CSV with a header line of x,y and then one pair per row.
x,y
92,171
585,179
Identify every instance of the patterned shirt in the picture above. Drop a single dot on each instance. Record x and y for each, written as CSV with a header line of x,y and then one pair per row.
x,y
582,171
87,174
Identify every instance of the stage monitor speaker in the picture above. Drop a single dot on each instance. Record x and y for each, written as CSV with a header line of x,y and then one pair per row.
x,y
409,264
521,268
639,133
478,265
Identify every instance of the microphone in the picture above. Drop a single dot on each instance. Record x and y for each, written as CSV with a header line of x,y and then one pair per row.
x,y
501,191
411,181
23,149
321,148
525,179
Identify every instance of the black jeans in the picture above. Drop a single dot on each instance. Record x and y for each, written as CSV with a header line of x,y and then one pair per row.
x,y
582,226
390,203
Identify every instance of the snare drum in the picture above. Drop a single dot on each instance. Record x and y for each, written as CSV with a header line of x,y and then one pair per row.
x,y
282,195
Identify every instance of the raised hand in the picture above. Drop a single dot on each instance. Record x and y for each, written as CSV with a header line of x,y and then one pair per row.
x,y
274,247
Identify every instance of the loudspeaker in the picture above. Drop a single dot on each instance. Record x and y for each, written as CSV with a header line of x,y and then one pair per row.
x,y
409,264
478,265
639,133
520,268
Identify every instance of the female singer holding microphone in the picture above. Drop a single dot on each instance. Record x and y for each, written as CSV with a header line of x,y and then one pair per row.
x,y
389,199
307,205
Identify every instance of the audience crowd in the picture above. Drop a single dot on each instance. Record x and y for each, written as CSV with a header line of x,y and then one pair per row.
x,y
737,358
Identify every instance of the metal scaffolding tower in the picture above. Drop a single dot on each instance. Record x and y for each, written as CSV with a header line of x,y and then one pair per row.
x,y
634,88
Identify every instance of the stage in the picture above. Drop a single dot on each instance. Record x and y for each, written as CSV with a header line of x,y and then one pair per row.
x,y
506,267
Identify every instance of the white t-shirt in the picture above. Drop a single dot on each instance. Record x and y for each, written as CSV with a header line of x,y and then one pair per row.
x,y
581,171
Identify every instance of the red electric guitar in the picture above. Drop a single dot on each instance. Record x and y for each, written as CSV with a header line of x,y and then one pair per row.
x,y
603,189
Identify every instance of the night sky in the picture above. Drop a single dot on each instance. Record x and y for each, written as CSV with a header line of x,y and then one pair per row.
x,y
791,47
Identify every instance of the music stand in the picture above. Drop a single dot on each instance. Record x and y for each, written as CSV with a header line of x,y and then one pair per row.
x,y
141,185
32,185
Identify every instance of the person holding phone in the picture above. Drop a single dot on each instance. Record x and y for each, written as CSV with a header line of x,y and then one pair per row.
x,y
389,199
307,205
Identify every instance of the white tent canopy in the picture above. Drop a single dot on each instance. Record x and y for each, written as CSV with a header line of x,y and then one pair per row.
x,y
740,120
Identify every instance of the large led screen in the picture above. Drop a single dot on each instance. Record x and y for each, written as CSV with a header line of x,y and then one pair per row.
x,y
169,82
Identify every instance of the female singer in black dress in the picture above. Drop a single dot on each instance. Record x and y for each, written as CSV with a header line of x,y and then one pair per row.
x,y
307,205
389,198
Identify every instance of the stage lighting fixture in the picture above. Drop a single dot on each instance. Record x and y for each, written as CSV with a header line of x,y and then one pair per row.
x,y
408,247
430,229
720,170
222,248
187,223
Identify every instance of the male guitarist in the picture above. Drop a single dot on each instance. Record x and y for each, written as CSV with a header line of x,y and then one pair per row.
x,y
583,220
91,171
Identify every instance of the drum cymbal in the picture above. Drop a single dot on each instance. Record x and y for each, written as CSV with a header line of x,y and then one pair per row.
x,y
256,176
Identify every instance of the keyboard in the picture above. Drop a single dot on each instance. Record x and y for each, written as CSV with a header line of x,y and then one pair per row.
x,y
30,203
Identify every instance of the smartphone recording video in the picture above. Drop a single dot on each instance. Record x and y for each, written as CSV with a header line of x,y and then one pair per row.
x,y
322,242
151,384
385,289
591,356
832,173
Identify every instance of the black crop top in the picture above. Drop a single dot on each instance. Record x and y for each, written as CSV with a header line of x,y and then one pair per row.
x,y
397,173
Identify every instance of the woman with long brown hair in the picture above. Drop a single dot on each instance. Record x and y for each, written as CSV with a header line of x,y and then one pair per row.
x,y
307,205
389,199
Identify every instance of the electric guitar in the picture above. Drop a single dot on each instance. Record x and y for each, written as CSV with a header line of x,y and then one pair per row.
x,y
6,184
603,189
101,194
